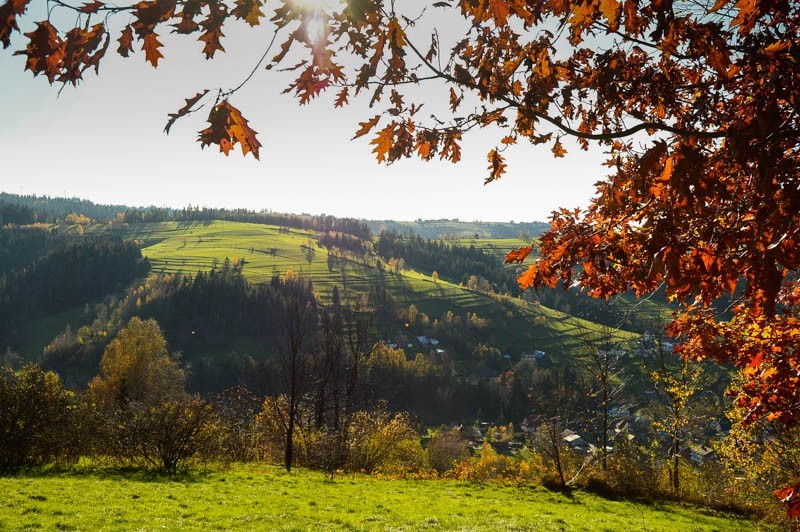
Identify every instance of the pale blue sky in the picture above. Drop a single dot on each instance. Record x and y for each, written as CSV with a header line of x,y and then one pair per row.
x,y
104,141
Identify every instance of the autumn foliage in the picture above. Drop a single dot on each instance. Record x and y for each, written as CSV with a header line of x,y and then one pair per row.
x,y
696,104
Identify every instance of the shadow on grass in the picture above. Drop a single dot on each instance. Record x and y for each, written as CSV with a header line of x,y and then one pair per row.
x,y
107,472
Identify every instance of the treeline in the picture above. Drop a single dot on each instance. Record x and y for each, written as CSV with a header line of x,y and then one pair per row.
x,y
199,313
453,262
322,223
452,229
19,246
343,241
73,272
53,210
14,214
23,210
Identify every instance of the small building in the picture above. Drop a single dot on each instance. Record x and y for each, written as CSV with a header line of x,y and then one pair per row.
x,y
535,354
700,454
574,440
619,412
531,423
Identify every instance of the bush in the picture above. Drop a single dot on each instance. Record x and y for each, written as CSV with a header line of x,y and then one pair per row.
x,y
489,465
378,441
39,419
270,432
164,436
445,448
633,470
238,409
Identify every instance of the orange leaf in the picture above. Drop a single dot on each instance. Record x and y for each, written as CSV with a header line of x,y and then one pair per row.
x,y
709,259
789,498
8,15
748,15
212,25
558,150
151,49
497,166
610,9
92,7
383,142
366,127
341,98
45,51
499,10
397,37
455,100
666,175
183,111
518,255
125,41
528,277
249,11
227,127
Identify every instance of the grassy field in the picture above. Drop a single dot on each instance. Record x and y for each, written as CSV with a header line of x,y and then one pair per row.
x,y
433,229
498,247
192,246
249,497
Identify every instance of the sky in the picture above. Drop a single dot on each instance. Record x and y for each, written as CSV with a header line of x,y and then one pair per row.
x,y
103,141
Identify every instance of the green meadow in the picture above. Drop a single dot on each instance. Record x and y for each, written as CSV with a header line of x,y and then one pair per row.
x,y
253,497
188,247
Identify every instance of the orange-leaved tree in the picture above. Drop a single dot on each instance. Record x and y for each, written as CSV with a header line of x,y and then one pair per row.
x,y
696,102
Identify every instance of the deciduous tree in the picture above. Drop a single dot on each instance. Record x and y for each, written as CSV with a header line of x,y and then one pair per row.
x,y
137,367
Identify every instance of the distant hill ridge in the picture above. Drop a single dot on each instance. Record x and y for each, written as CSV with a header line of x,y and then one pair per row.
x,y
52,209
457,229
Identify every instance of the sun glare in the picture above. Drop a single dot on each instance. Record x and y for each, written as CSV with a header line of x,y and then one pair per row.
x,y
317,13
316,29
314,4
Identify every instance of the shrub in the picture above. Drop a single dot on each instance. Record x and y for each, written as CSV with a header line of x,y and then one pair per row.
x,y
39,419
164,436
378,441
634,470
445,448
238,409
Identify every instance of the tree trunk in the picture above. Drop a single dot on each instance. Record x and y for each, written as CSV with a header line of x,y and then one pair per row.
x,y
676,484
288,452
604,439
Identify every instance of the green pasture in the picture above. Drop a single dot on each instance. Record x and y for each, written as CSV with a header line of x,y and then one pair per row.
x,y
498,247
433,229
189,247
36,334
257,497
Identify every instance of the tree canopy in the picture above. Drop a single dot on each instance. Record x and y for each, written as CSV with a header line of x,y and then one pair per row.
x,y
695,101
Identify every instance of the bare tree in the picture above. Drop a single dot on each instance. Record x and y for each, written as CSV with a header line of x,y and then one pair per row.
x,y
297,327
563,405
604,365
330,346
359,340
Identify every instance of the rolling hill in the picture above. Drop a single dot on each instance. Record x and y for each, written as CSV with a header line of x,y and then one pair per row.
x,y
189,247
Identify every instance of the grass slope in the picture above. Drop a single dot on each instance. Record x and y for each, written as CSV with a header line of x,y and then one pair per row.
x,y
433,229
191,246
252,497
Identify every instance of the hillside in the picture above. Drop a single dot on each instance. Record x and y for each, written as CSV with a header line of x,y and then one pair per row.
x,y
433,229
249,497
180,247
